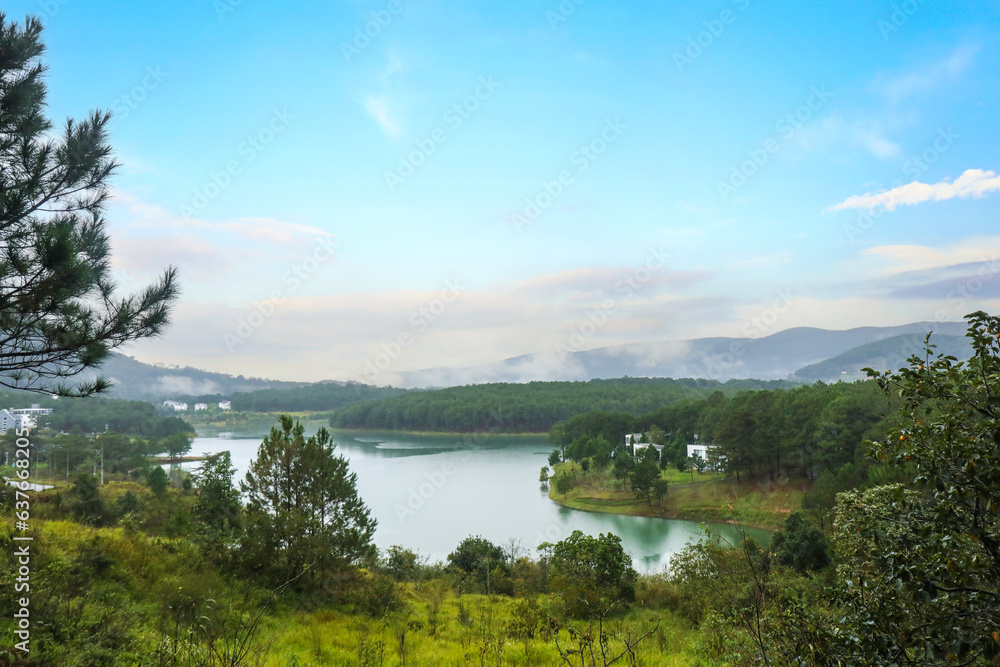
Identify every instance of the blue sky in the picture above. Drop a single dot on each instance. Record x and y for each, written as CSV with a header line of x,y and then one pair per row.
x,y
490,175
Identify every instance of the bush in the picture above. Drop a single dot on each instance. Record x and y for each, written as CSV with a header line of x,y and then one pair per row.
x,y
801,545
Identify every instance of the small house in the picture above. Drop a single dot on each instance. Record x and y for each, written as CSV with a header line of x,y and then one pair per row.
x,y
8,421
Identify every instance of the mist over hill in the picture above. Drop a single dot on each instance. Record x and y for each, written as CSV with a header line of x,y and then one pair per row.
x,y
886,354
775,357
135,380
802,354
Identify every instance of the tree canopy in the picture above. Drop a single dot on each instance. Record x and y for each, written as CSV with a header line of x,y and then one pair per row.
x,y
303,514
591,573
59,309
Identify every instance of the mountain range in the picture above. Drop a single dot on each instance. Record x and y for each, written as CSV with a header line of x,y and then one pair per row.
x,y
801,354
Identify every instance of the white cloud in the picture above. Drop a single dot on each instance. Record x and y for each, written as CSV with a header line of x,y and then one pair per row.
x,y
753,263
267,230
904,258
378,108
972,183
928,78
834,131
394,66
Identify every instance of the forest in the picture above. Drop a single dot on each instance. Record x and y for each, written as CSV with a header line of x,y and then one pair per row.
x,y
802,431
318,397
532,407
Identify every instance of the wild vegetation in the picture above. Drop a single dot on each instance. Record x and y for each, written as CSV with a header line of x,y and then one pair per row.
x,y
169,571
771,452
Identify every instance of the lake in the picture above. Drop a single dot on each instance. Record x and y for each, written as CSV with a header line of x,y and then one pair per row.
x,y
428,493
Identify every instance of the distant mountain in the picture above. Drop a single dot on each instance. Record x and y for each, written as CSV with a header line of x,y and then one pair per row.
x,y
773,357
887,354
136,380
802,354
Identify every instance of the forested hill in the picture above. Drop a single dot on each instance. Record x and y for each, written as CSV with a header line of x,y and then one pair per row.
x,y
881,354
137,381
533,407
314,397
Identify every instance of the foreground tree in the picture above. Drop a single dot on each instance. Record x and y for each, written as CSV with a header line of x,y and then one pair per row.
x,y
591,574
476,559
921,565
304,520
217,509
59,313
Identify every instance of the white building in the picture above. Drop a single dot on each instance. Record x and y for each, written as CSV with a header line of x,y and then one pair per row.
x,y
200,406
702,451
7,421
33,411
178,407
632,443
225,405
699,449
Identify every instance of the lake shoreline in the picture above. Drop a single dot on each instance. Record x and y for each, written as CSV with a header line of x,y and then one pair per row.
x,y
724,500
693,515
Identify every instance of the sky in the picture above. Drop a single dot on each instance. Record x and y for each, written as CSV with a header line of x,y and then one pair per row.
x,y
420,184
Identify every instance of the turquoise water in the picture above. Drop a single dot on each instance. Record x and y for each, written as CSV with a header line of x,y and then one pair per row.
x,y
428,493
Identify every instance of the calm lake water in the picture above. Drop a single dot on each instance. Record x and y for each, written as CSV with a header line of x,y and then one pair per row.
x,y
428,493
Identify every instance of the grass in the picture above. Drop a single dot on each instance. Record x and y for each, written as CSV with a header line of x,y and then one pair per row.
x,y
712,497
471,629
134,592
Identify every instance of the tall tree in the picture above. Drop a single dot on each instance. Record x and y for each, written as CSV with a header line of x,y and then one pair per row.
x,y
644,476
303,512
59,313
217,509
